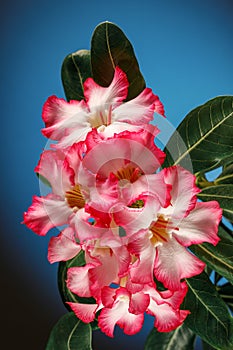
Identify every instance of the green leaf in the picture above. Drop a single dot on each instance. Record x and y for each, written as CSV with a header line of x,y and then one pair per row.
x,y
110,48
76,68
226,177
207,346
226,293
65,293
221,193
203,140
70,333
209,318
181,338
43,179
219,257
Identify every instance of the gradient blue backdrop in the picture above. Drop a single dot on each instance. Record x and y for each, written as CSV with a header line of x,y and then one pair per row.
x,y
185,52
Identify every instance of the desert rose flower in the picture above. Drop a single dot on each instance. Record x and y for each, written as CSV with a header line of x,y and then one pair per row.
x,y
103,109
161,245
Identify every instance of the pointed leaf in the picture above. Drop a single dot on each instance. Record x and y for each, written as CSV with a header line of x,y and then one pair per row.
x,y
209,318
203,140
181,338
223,194
70,333
110,48
76,68
220,257
207,346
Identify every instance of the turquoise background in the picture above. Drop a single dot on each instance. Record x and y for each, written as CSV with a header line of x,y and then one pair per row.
x,y
185,52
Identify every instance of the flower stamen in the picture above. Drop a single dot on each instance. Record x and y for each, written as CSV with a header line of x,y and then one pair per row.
x,y
75,198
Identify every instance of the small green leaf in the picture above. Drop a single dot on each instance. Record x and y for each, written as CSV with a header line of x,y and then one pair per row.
x,y
70,333
43,179
76,68
221,193
203,140
65,293
209,318
219,257
110,48
181,338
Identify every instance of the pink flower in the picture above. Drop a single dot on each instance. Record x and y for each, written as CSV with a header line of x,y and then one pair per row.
x,y
72,186
102,109
121,307
160,246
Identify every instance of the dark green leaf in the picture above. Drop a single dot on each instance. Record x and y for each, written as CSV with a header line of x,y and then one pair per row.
x,y
221,193
76,68
220,257
110,48
226,177
70,333
226,292
65,293
209,318
181,338
207,346
203,140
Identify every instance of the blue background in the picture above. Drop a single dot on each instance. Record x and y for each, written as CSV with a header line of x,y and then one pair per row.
x,y
185,52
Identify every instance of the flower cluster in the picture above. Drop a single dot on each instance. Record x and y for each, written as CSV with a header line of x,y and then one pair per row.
x,y
133,222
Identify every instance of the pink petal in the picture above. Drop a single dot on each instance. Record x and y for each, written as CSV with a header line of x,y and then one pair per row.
x,y
166,318
85,230
99,97
59,115
135,219
46,213
63,247
78,280
53,167
120,315
201,225
142,270
183,193
85,312
174,263
139,302
140,110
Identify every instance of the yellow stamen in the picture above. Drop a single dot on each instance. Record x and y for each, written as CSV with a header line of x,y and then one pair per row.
x,y
159,230
75,198
129,173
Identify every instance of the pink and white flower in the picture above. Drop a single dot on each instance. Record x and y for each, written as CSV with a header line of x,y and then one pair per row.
x,y
118,306
160,245
103,109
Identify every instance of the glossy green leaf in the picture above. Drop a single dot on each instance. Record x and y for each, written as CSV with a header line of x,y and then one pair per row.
x,y
181,338
226,292
110,48
207,346
226,177
219,257
76,68
203,140
221,193
70,333
65,293
209,318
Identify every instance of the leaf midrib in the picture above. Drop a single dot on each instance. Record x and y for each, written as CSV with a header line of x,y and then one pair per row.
x,y
202,138
71,333
215,257
205,306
